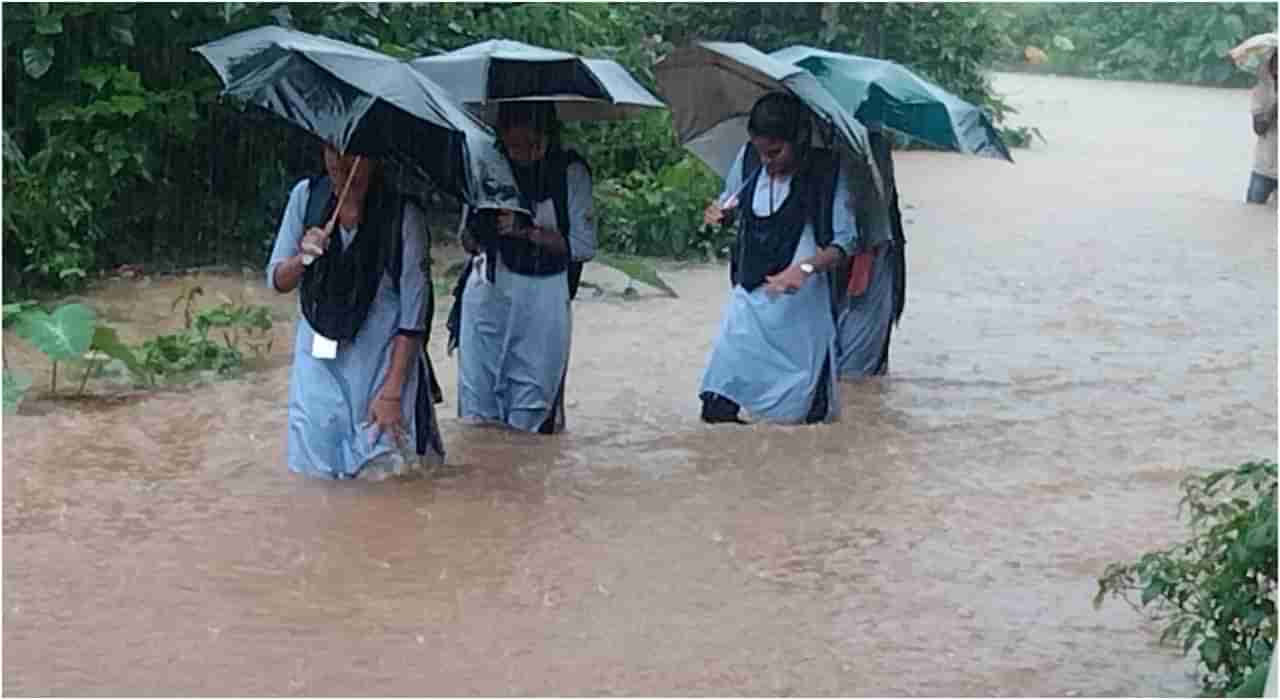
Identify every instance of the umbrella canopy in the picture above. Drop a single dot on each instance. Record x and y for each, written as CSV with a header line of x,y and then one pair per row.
x,y
884,93
1253,52
367,103
582,89
712,86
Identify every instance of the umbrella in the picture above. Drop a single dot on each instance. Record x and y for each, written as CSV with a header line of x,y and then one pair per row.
x,y
367,103
583,89
712,86
884,93
1254,51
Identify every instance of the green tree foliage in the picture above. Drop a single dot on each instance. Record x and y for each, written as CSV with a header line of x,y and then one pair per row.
x,y
1175,42
118,148
1216,591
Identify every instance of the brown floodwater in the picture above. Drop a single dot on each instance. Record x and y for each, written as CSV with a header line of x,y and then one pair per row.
x,y
1083,329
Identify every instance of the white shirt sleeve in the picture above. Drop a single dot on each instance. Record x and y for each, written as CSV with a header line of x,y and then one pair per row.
x,y
582,217
414,280
289,237
844,223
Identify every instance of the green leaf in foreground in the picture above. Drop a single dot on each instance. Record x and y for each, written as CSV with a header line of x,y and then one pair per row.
x,y
37,60
16,384
637,269
63,335
106,341
14,311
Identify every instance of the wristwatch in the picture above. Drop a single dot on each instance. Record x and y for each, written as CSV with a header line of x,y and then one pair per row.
x,y
808,268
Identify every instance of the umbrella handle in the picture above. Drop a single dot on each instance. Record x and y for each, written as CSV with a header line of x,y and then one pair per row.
x,y
741,188
328,227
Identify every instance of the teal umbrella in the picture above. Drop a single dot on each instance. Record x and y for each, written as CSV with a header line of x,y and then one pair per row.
x,y
885,94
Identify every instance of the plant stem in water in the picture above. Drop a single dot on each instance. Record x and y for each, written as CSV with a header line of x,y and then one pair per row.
x,y
84,381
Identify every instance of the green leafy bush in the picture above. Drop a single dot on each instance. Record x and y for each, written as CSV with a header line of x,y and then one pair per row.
x,y
1215,592
120,150
187,352
193,351
643,213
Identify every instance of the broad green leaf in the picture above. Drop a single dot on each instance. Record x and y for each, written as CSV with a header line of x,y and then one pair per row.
x,y
1235,25
50,25
127,81
12,154
1254,685
637,269
64,335
96,77
1261,538
1151,592
16,384
1211,653
37,60
124,35
230,10
14,311
128,105
107,341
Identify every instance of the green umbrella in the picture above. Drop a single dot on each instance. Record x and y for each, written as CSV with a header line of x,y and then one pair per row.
x,y
885,94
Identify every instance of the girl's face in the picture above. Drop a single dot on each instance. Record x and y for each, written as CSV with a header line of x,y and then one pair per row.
x,y
340,167
777,155
525,144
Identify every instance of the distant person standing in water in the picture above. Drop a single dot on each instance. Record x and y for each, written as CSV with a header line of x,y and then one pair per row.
x,y
1262,183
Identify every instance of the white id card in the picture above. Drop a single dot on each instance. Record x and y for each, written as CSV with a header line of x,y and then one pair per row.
x,y
323,348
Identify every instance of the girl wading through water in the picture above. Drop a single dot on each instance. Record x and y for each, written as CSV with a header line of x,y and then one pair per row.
x,y
360,390
511,320
775,352
877,281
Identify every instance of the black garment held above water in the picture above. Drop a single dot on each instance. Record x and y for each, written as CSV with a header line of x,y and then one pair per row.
x,y
549,179
540,181
339,287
